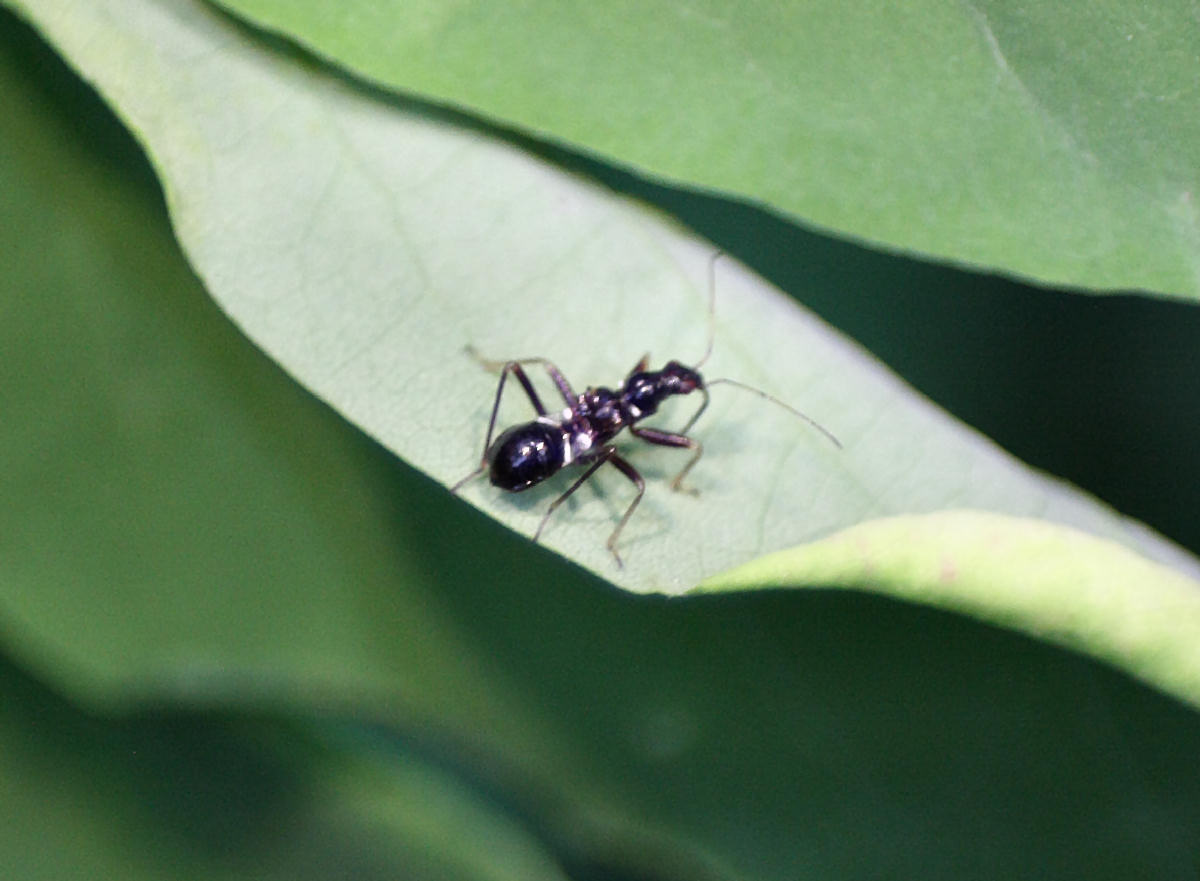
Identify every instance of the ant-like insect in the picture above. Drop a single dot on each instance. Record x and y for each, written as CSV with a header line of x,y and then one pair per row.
x,y
526,454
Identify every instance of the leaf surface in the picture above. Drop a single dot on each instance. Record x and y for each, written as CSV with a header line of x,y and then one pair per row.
x,y
364,242
186,527
1053,140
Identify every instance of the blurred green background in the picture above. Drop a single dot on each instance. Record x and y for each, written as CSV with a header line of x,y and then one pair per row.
x,y
530,721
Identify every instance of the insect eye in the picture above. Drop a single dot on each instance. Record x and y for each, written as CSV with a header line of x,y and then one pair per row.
x,y
681,379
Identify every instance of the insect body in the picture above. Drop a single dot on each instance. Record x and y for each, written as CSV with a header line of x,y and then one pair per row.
x,y
583,432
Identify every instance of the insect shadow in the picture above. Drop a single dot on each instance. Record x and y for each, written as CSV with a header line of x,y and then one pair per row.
x,y
583,432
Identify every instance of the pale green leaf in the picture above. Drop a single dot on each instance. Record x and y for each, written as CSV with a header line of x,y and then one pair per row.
x,y
363,243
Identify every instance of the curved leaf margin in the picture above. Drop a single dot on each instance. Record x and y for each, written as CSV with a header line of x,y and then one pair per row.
x,y
1049,140
1047,580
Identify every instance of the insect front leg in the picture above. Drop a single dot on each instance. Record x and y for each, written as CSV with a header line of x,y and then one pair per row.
x,y
670,439
700,412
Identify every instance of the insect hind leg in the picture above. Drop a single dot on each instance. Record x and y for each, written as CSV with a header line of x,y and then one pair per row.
x,y
514,367
607,455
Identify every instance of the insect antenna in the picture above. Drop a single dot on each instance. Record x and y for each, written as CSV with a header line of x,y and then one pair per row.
x,y
712,327
774,400
712,305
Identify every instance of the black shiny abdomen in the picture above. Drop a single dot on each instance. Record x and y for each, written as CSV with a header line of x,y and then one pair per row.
x,y
525,455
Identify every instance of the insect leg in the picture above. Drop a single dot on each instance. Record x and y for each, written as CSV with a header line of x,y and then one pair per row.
x,y
696,416
670,439
560,381
603,456
513,367
608,454
632,473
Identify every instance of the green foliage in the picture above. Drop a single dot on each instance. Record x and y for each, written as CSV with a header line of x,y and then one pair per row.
x,y
285,653
1055,140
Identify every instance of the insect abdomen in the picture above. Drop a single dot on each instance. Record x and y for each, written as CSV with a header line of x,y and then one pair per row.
x,y
526,455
